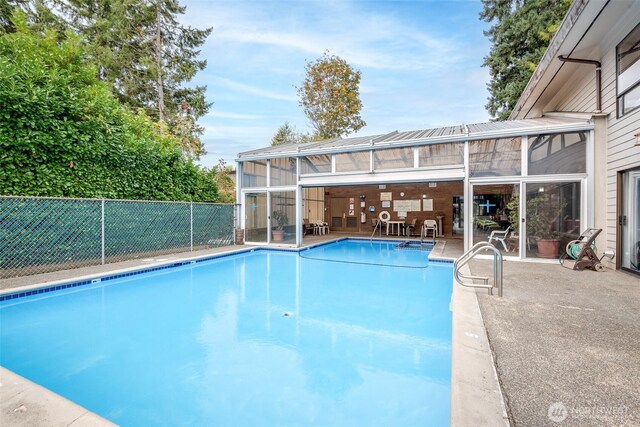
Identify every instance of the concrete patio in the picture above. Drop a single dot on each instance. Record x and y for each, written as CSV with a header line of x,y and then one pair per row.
x,y
566,340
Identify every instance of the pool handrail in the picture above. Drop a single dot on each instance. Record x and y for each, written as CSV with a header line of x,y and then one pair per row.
x,y
497,268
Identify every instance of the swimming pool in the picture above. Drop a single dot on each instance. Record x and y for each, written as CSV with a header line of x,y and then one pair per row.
x,y
320,337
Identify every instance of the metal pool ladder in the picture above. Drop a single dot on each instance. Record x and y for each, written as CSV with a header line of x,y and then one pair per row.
x,y
497,268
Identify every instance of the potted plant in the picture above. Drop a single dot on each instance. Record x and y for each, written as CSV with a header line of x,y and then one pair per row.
x,y
281,218
543,212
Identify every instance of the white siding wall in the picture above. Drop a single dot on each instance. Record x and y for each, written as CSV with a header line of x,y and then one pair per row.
x,y
579,96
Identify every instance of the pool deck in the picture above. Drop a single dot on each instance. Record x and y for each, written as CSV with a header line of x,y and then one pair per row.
x,y
555,337
27,404
565,338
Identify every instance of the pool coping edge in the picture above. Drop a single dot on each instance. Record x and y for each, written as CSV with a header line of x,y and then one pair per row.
x,y
476,395
27,403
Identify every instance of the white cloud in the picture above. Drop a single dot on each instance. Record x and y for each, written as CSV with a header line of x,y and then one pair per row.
x,y
375,46
252,90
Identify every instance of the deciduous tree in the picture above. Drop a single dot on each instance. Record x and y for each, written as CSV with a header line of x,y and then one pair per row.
x,y
330,97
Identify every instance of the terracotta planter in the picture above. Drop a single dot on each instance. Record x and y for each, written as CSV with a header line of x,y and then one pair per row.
x,y
277,235
548,248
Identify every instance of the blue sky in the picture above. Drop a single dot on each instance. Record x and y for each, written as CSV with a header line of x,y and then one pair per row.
x,y
420,63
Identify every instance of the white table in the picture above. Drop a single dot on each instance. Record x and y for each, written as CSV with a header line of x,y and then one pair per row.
x,y
392,223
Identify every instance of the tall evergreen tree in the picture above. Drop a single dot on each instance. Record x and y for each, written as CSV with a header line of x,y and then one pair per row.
x,y
520,34
147,55
287,134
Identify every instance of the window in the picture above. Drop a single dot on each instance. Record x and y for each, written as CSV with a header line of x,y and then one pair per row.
x,y
254,174
628,73
558,153
352,162
451,153
394,158
495,157
283,171
315,164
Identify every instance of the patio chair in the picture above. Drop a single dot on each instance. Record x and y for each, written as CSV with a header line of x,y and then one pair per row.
x,y
500,236
410,228
307,227
429,226
321,227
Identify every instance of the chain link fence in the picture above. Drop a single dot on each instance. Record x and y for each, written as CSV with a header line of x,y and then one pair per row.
x,y
39,234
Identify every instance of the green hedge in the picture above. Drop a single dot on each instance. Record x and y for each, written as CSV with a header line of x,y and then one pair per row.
x,y
63,133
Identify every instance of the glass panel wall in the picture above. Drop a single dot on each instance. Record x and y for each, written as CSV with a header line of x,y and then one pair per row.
x,y
393,158
352,162
451,153
496,216
552,217
558,154
630,232
283,217
495,157
254,174
283,171
255,216
315,164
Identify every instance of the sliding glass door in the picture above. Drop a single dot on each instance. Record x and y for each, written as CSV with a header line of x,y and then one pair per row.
x,y
270,217
630,221
256,217
496,216
283,216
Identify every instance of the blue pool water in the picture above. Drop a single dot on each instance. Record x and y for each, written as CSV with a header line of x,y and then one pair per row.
x,y
259,338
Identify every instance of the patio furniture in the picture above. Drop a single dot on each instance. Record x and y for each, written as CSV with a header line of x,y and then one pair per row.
x,y
321,227
485,223
410,228
500,236
430,226
307,227
394,224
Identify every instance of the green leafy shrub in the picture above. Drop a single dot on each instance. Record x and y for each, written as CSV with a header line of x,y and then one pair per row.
x,y
64,134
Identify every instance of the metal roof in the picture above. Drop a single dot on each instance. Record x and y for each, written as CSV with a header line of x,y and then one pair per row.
x,y
422,137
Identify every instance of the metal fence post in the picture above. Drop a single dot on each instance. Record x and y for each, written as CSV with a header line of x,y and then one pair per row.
x,y
102,231
191,223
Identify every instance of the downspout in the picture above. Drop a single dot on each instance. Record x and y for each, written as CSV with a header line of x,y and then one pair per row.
x,y
598,76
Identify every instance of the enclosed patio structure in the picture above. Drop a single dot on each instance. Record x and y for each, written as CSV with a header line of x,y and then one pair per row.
x,y
346,183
